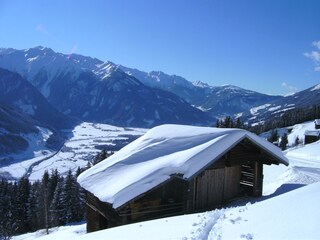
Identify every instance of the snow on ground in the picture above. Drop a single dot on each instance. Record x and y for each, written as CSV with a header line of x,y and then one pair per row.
x,y
64,232
297,130
255,110
84,142
289,209
293,215
16,165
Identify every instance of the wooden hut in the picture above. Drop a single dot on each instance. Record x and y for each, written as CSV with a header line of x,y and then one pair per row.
x,y
311,136
317,124
174,170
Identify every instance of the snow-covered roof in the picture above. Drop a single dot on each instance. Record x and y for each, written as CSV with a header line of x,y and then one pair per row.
x,y
164,151
315,133
317,121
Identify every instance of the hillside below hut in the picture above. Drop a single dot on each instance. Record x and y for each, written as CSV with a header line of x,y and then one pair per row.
x,y
176,169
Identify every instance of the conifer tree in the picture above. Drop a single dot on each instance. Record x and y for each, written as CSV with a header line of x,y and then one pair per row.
x,y
44,201
228,123
284,142
33,206
100,156
8,225
273,136
70,200
21,206
56,210
238,123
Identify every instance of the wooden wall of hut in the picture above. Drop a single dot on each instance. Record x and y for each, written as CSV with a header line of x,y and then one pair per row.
x,y
100,215
310,139
215,186
238,173
166,200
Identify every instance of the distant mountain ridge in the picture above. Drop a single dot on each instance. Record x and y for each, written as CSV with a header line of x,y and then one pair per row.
x,y
303,99
218,101
93,90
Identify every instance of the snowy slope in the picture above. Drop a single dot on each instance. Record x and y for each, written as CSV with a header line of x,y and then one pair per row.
x,y
84,142
297,130
289,209
16,165
302,99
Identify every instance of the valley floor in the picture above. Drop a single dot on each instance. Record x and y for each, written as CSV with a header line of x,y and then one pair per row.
x,y
289,209
82,144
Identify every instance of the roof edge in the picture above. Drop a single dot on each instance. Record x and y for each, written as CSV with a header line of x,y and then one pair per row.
x,y
282,159
217,158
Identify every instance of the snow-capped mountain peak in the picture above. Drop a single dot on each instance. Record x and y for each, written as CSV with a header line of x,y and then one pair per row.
x,y
201,84
316,87
93,90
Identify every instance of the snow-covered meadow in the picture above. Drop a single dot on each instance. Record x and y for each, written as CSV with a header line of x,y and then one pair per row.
x,y
289,209
83,143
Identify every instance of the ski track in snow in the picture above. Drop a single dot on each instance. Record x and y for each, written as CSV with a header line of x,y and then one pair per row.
x,y
204,226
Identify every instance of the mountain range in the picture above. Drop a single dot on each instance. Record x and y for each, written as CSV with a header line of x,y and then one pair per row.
x,y
42,91
303,99
65,87
218,101
92,90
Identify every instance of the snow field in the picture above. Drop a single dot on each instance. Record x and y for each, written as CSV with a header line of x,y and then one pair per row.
x,y
289,209
84,142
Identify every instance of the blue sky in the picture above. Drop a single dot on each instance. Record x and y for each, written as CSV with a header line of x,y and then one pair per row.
x,y
270,46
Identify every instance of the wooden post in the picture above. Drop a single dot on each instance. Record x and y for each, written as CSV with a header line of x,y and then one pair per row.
x,y
258,179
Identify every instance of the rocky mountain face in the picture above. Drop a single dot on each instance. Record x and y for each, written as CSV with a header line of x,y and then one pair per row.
x,y
23,111
13,124
92,90
219,101
19,93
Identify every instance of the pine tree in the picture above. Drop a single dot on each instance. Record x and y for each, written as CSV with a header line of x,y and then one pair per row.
x,y
284,142
100,156
52,183
21,206
273,136
56,210
8,225
218,125
44,201
33,206
228,123
238,123
70,200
